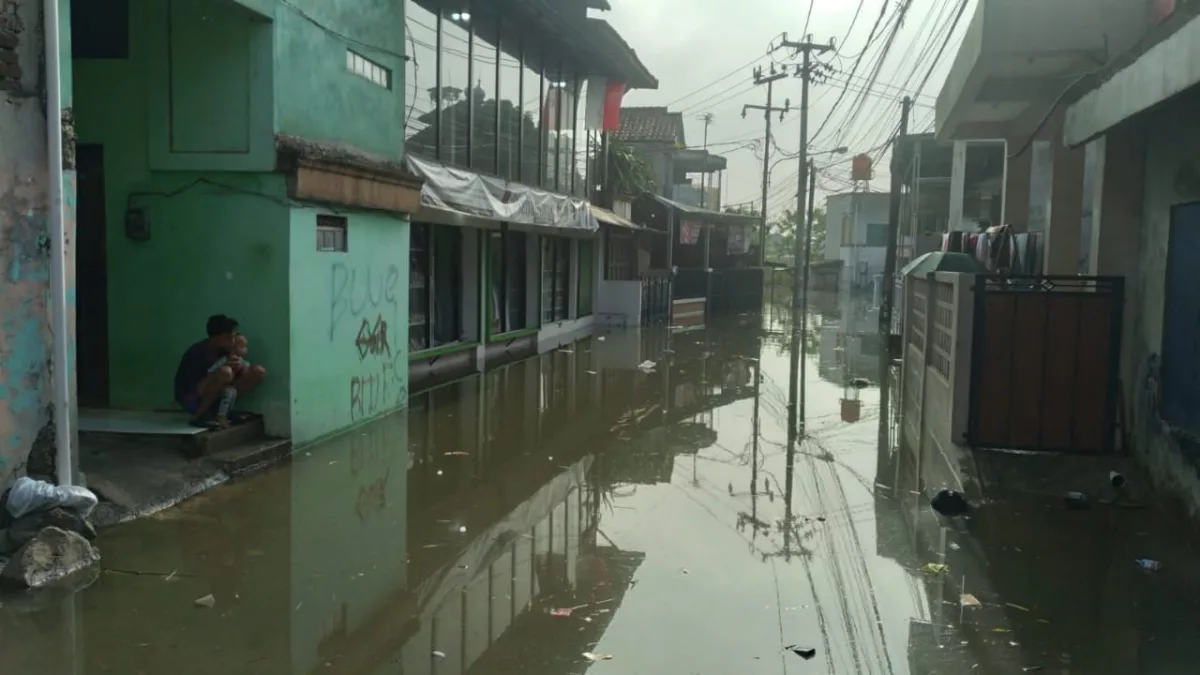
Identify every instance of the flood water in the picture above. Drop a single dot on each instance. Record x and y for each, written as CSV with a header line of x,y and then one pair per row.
x,y
575,504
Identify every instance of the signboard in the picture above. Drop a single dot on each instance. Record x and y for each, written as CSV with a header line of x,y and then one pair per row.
x,y
689,231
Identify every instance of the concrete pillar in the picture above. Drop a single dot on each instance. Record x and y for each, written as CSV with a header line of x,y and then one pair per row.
x,y
1117,225
1066,211
1016,186
958,180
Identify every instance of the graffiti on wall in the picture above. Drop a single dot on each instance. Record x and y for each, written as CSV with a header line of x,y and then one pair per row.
x,y
372,339
357,292
362,299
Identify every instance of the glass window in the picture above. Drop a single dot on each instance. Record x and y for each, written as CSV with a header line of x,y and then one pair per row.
x,y
506,259
435,287
447,285
556,278
509,159
579,139
587,275
420,81
483,92
552,123
418,288
453,95
532,96
876,234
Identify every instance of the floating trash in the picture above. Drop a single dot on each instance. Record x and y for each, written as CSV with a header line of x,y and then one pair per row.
x,y
805,653
592,656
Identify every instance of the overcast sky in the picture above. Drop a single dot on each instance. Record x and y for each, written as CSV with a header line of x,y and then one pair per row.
x,y
691,44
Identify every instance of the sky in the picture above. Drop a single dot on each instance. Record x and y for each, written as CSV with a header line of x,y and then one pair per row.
x,y
703,53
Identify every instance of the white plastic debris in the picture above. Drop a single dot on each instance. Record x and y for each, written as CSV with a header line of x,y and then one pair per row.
x,y
207,602
647,366
30,496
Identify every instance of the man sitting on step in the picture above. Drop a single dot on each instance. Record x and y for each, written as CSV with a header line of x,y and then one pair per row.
x,y
198,385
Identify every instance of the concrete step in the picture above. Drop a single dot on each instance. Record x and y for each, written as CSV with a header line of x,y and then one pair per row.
x,y
251,456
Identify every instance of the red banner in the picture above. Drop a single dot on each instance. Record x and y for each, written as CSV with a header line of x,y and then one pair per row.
x,y
613,93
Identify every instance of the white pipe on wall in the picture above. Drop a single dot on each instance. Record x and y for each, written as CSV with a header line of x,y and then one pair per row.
x,y
58,251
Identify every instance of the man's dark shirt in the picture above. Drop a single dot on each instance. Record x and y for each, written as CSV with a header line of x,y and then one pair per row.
x,y
192,368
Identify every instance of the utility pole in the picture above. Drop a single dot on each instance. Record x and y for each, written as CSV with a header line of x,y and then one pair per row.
x,y
707,118
768,80
889,281
806,72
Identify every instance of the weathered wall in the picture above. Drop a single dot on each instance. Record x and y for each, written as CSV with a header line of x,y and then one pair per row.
x,y
25,339
349,336
318,98
1172,146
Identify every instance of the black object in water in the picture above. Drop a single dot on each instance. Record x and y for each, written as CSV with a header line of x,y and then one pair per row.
x,y
950,503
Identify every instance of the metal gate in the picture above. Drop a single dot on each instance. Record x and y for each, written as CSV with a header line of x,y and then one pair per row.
x,y
1045,363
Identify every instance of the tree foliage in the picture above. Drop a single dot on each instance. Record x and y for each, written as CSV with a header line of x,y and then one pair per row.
x,y
628,171
781,244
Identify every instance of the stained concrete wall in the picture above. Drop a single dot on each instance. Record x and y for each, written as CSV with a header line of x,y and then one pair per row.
x,y
26,416
1172,145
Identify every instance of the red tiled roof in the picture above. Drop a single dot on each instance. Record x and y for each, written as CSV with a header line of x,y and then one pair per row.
x,y
654,124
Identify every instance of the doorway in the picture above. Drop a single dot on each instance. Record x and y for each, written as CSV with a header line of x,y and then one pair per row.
x,y
91,277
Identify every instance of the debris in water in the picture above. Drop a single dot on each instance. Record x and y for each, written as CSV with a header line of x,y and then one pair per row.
x,y
171,576
561,611
592,656
998,629
1075,500
647,366
1032,669
805,653
590,372
457,453
439,655
950,503
684,570
968,600
954,546
935,568
1149,565
564,350
208,601
1016,606
600,338
860,383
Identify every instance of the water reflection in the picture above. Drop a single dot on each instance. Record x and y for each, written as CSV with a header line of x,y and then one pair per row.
x,y
580,502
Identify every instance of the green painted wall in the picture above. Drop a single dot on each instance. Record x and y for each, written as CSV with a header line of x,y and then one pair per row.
x,y
219,241
349,333
318,98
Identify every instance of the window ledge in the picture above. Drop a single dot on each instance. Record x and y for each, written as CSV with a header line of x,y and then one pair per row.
x,y
513,334
453,348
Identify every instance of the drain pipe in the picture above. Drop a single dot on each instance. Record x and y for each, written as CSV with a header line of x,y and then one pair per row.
x,y
58,250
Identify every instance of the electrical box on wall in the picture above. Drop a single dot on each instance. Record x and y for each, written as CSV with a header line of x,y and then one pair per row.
x,y
137,225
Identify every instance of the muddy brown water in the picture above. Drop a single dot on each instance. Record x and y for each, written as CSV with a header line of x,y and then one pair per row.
x,y
574,504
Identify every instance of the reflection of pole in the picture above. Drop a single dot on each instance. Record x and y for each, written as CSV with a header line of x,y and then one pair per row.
x,y
889,273
808,225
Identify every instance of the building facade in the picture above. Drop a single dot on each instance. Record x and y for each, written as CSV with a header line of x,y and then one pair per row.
x,y
856,226
507,253
1100,158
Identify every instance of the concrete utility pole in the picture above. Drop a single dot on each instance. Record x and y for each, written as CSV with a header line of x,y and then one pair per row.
x,y
808,226
806,72
768,80
707,118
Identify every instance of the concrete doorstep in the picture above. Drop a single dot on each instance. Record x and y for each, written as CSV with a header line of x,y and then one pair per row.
x,y
139,476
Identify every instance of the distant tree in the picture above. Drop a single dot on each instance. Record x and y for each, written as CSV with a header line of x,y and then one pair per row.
x,y
743,209
784,227
628,171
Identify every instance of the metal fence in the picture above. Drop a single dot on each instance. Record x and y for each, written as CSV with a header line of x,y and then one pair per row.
x,y
1045,362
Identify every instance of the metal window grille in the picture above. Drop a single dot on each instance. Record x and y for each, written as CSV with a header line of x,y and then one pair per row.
x,y
331,234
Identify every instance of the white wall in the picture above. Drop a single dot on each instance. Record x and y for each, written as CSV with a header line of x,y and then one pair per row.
x,y
859,209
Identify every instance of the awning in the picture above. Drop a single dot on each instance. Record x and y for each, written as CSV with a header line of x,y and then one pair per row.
x,y
708,215
466,193
610,218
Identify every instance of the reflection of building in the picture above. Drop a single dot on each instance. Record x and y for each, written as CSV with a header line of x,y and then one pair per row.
x,y
850,345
